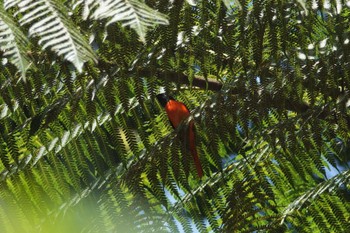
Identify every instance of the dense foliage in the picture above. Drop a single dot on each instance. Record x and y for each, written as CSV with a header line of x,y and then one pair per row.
x,y
85,147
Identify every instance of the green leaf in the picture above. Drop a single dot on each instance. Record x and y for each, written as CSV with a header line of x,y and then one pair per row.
x,y
131,13
13,43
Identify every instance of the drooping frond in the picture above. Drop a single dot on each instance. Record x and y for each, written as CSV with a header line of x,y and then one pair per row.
x,y
133,13
317,191
47,20
13,43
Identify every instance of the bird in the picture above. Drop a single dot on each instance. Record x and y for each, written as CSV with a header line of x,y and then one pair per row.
x,y
178,112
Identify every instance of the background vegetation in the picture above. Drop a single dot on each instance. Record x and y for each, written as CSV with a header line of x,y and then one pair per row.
x,y
85,147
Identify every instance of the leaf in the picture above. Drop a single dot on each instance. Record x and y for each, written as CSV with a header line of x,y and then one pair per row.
x,y
315,192
48,21
13,42
10,3
132,13
88,6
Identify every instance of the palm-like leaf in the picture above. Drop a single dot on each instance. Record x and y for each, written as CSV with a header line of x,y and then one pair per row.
x,y
327,186
13,42
54,29
131,13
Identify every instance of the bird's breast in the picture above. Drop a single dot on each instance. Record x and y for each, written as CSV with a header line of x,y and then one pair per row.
x,y
177,112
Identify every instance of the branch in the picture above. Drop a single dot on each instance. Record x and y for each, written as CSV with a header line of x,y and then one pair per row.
x,y
214,85
180,78
296,106
290,104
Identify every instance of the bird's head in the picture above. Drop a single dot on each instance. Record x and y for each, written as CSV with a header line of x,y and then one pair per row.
x,y
163,99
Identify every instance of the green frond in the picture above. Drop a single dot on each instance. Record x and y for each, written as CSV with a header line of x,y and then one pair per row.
x,y
48,21
13,43
134,13
315,192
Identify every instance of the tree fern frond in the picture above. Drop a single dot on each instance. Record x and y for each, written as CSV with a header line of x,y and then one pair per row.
x,y
10,3
48,21
132,13
315,192
88,6
13,42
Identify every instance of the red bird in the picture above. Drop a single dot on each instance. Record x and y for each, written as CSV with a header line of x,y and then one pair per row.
x,y
177,112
